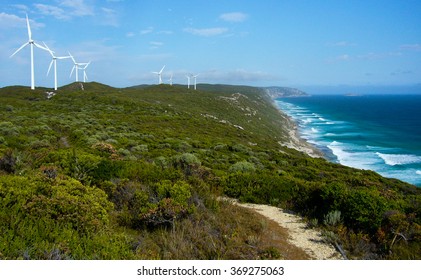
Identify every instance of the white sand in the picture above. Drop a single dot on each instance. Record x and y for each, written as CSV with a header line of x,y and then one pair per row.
x,y
309,240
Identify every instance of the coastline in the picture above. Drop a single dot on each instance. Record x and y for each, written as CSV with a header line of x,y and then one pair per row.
x,y
296,142
356,137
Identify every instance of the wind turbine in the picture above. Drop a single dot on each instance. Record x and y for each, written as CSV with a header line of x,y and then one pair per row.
x,y
31,43
170,80
195,80
159,75
188,81
76,67
54,61
85,77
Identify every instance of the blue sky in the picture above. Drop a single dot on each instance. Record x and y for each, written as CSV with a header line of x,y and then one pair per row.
x,y
262,43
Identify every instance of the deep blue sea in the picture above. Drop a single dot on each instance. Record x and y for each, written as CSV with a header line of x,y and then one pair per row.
x,y
376,132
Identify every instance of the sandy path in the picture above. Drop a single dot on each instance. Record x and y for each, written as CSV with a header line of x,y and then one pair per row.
x,y
309,240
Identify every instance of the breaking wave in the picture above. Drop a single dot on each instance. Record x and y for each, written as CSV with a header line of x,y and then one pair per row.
x,y
399,159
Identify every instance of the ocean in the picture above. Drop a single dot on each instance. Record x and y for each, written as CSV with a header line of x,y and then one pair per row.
x,y
375,132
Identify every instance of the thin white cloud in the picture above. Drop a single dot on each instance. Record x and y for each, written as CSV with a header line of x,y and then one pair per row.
x,y
339,58
238,75
411,47
21,7
78,7
147,30
130,34
109,17
165,32
66,9
13,21
155,45
375,56
206,32
234,17
343,57
54,11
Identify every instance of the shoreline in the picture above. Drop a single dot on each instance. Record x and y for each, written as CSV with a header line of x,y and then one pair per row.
x,y
296,142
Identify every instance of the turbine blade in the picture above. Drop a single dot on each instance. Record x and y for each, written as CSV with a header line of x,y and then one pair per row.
x,y
161,69
48,49
86,76
41,47
24,45
62,57
74,66
71,56
49,68
29,28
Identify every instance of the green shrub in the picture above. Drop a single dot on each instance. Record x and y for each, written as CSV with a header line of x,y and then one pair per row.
x,y
63,201
186,160
242,166
332,218
157,205
12,161
364,209
9,129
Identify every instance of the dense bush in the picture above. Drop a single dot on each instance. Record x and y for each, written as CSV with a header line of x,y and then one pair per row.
x,y
160,204
65,201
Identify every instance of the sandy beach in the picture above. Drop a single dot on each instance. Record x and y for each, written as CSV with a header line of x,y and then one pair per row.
x,y
310,240
295,141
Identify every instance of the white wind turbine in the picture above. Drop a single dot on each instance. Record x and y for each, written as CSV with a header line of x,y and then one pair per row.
x,y
170,80
85,77
54,61
159,75
195,80
188,80
31,43
76,67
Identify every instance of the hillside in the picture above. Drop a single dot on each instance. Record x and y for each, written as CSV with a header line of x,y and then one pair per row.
x,y
277,92
135,173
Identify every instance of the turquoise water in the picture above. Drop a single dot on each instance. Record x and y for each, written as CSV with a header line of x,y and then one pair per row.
x,y
376,132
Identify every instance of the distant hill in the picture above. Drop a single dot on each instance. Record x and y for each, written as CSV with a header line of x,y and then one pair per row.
x,y
91,86
277,92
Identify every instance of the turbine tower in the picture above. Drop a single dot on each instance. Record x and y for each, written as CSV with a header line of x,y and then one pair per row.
x,y
76,67
195,80
31,43
159,75
188,81
170,80
54,61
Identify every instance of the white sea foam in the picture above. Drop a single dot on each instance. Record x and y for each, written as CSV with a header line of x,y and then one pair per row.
x,y
353,156
418,172
399,159
338,150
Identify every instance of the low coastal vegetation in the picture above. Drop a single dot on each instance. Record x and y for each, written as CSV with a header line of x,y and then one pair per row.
x,y
136,173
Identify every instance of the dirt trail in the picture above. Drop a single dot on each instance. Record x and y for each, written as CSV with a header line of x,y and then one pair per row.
x,y
309,240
